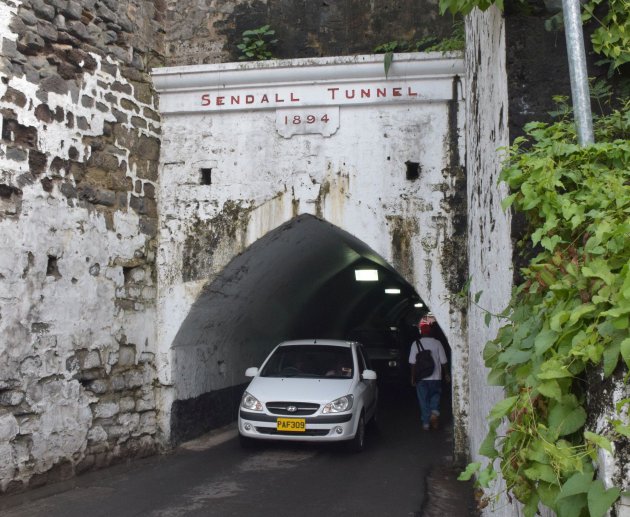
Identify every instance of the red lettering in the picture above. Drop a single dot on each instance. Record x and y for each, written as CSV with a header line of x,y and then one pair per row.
x,y
396,92
294,99
235,99
220,101
381,92
410,93
365,93
333,91
249,99
348,96
264,98
205,99
278,99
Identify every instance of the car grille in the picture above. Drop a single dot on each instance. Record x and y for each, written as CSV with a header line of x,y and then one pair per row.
x,y
302,408
307,432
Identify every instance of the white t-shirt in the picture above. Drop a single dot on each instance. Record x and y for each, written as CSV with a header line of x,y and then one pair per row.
x,y
437,352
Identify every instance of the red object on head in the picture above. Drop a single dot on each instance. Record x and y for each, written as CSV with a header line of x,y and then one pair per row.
x,y
425,328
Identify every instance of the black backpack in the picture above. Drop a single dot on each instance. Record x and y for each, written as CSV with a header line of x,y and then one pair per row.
x,y
424,362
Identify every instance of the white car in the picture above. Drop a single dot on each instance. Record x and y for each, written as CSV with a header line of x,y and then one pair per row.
x,y
310,390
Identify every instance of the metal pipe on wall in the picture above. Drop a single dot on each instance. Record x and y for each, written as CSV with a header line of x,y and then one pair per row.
x,y
578,72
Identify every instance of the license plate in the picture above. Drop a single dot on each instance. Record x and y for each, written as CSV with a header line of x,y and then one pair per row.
x,y
296,425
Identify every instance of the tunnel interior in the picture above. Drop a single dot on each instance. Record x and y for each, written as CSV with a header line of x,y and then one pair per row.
x,y
297,281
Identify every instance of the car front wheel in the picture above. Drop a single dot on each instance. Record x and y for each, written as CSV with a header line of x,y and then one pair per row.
x,y
357,444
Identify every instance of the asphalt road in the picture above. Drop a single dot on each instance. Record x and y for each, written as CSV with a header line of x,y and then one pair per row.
x,y
213,476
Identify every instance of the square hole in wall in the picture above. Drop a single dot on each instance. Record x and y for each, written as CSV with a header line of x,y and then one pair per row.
x,y
205,176
413,170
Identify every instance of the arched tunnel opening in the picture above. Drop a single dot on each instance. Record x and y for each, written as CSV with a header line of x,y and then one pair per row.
x,y
297,281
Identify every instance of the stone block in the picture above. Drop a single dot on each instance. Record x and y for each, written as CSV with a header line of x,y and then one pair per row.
x,y
7,463
138,122
11,398
133,379
117,431
43,10
14,96
47,30
106,14
36,162
98,386
60,23
118,383
149,293
72,10
8,427
27,16
146,403
89,359
127,404
105,409
129,421
16,154
54,84
97,434
30,366
31,43
78,29
127,355
148,423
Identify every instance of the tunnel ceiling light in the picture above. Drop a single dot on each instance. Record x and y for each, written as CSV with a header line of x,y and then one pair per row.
x,y
392,291
418,304
366,275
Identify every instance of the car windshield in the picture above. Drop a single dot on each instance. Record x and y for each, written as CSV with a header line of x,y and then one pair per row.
x,y
320,361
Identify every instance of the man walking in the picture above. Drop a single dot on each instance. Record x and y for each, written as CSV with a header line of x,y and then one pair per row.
x,y
429,388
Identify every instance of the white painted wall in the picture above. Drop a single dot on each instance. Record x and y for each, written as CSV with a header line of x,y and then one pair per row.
x,y
354,179
47,415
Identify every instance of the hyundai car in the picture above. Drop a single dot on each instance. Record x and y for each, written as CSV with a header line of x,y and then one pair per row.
x,y
312,391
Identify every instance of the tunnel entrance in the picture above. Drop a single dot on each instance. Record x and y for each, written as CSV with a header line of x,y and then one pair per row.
x,y
277,181
298,281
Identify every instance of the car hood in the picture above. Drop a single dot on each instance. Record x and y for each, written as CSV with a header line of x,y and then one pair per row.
x,y
322,391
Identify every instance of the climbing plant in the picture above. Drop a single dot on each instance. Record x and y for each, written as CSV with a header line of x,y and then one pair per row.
x,y
611,38
456,41
257,44
570,315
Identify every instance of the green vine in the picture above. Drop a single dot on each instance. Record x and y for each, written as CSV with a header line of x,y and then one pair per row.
x,y
569,316
456,41
611,38
256,44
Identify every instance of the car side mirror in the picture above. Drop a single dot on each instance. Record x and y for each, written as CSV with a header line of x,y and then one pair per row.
x,y
252,371
368,375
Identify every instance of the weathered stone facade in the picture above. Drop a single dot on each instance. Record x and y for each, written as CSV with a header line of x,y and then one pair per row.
x,y
78,172
209,31
85,379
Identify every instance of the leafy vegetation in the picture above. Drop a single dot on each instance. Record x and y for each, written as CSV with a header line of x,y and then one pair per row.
x,y
570,315
456,41
257,44
611,38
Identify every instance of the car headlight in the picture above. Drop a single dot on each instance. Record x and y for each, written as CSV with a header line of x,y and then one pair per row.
x,y
250,402
339,405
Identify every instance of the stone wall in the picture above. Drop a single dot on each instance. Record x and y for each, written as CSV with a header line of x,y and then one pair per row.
x,y
78,170
510,85
208,32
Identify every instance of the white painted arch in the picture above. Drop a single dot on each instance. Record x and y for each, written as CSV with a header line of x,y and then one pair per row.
x,y
231,173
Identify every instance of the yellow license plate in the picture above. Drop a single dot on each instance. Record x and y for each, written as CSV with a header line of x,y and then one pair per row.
x,y
296,425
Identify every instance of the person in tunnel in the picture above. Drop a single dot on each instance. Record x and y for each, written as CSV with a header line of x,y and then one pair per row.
x,y
429,389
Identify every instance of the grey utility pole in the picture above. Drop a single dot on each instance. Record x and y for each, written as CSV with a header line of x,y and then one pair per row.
x,y
577,69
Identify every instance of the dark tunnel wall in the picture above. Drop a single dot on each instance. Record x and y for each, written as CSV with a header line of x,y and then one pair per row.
x,y
295,282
